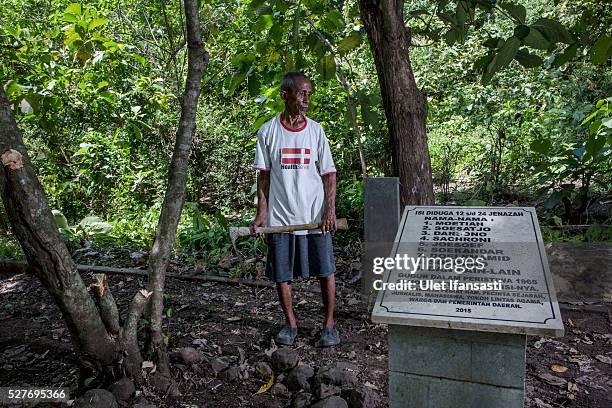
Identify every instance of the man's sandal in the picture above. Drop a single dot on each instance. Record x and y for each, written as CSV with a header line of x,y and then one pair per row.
x,y
286,336
329,337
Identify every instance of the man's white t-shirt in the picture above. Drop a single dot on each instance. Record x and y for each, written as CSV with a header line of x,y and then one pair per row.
x,y
296,160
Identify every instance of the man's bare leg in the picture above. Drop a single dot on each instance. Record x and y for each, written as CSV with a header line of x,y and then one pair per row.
x,y
284,295
328,292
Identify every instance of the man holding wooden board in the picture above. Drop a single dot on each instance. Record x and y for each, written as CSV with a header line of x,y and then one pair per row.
x,y
296,184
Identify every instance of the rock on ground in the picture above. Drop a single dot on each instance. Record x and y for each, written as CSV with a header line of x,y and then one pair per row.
x,y
301,400
189,355
284,359
323,391
96,398
334,375
298,378
122,389
279,390
164,384
330,402
231,374
360,397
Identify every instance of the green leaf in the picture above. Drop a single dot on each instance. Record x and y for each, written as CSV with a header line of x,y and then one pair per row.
x,y
517,11
96,22
60,219
12,88
541,146
526,59
349,43
264,22
74,8
333,21
536,40
493,42
327,67
566,56
483,61
601,50
505,55
594,144
521,31
553,30
461,12
276,33
451,36
554,199
236,80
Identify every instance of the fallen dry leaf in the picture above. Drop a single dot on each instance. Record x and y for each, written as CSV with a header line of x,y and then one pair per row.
x,y
558,368
266,386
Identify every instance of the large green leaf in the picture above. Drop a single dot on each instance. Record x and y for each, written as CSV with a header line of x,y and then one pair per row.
x,y
74,8
517,11
333,21
601,50
504,56
535,39
349,43
327,67
96,22
553,30
594,144
526,59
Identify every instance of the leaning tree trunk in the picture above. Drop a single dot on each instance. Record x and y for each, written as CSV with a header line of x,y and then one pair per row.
x,y
405,105
100,342
177,181
50,260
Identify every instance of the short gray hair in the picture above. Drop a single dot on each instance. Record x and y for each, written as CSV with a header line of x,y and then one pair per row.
x,y
288,81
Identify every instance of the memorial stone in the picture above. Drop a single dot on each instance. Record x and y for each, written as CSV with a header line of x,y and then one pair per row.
x,y
460,289
381,218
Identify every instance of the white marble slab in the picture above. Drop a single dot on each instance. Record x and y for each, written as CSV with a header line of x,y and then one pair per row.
x,y
507,253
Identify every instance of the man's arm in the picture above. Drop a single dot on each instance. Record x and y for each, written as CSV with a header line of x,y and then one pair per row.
x,y
263,192
328,223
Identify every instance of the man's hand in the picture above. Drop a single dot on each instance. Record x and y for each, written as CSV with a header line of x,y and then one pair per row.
x,y
259,222
328,222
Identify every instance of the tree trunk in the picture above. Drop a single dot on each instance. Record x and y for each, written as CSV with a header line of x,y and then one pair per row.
x,y
50,260
404,104
177,180
100,343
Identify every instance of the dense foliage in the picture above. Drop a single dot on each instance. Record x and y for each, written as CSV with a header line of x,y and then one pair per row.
x,y
95,87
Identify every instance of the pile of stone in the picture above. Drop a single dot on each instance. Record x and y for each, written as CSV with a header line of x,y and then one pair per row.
x,y
331,386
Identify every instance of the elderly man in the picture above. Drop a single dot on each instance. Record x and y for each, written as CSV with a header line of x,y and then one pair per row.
x,y
296,184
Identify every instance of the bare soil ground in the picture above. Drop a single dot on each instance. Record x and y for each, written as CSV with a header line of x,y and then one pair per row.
x,y
238,322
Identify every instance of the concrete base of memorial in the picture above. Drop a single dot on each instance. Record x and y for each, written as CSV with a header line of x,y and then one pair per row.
x,y
439,368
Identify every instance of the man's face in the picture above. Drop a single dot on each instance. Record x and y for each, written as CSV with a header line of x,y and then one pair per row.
x,y
297,100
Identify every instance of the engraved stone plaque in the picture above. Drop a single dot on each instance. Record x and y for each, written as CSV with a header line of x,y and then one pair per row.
x,y
470,268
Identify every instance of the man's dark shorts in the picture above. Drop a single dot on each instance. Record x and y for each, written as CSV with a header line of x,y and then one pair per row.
x,y
293,256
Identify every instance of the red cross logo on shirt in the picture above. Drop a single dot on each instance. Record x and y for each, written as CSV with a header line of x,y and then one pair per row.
x,y
298,155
